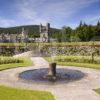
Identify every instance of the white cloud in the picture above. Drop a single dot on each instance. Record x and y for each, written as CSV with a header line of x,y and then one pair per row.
x,y
91,18
42,11
65,9
6,22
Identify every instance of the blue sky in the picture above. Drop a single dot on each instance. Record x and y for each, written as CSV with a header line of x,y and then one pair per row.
x,y
57,12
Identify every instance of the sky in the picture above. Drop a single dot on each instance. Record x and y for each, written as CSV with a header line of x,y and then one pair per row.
x,y
58,13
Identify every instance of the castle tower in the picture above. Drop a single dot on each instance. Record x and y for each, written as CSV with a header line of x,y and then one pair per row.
x,y
24,35
45,33
23,32
40,27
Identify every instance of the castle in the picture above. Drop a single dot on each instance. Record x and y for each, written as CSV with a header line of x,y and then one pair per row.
x,y
14,38
23,37
44,31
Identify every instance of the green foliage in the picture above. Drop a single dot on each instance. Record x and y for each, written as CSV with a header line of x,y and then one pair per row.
x,y
66,33
77,61
7,93
97,90
71,49
83,32
97,43
8,62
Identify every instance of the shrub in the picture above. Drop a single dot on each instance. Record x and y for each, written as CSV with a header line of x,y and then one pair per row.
x,y
9,60
78,60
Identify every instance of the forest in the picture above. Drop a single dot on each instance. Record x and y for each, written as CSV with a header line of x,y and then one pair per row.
x,y
83,32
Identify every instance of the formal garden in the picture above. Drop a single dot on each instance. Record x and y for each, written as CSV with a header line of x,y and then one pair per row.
x,y
7,93
75,54
50,50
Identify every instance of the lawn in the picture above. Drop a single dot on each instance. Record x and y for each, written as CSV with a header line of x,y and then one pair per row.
x,y
76,64
7,93
53,43
25,62
97,90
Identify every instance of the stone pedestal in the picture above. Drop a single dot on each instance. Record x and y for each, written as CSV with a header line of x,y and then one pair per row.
x,y
52,69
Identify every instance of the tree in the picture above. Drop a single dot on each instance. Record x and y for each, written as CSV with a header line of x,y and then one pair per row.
x,y
98,23
97,29
84,32
66,33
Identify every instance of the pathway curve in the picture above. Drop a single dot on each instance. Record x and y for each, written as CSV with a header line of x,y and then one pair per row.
x,y
77,90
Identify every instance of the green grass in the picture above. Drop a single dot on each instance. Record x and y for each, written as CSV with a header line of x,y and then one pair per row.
x,y
79,57
76,57
85,65
26,62
54,43
97,90
7,93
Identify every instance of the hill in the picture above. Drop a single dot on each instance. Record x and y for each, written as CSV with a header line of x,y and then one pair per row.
x,y
33,30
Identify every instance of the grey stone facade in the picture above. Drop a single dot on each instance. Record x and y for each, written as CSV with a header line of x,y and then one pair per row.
x,y
7,38
45,33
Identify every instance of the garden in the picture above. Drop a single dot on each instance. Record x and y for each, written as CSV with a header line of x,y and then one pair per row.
x,y
7,93
71,54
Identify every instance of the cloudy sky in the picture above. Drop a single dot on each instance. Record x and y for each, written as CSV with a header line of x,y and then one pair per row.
x,y
57,12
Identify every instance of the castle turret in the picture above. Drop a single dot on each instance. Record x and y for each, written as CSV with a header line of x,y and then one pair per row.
x,y
24,34
40,27
45,33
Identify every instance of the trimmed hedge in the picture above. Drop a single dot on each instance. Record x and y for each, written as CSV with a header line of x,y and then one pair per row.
x,y
9,60
79,60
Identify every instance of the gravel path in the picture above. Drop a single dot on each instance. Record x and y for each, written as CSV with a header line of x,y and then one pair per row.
x,y
76,90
